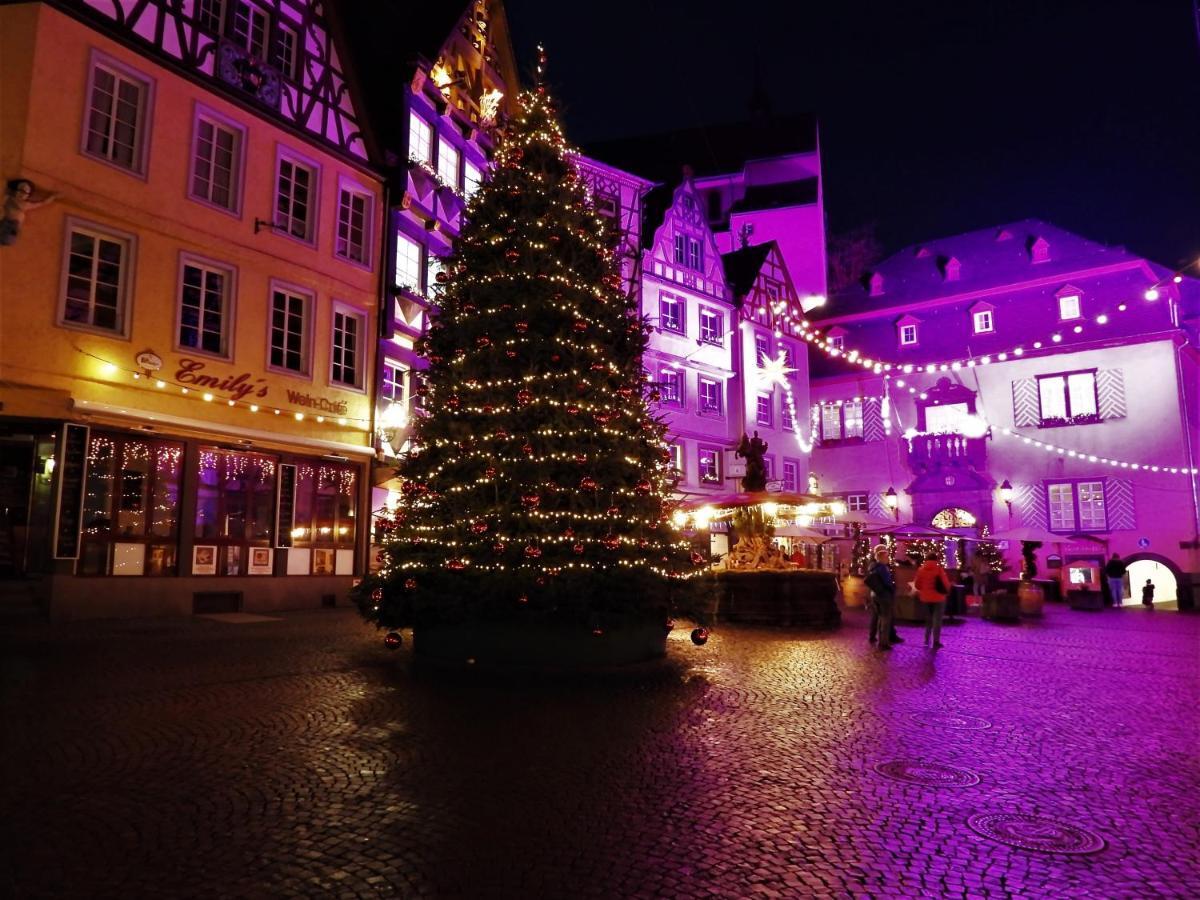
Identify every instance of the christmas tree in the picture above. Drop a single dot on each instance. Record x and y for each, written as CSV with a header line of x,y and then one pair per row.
x,y
989,551
537,486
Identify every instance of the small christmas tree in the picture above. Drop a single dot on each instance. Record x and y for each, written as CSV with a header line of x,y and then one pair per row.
x,y
537,487
989,552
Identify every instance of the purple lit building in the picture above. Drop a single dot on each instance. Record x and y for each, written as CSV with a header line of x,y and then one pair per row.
x,y
1028,363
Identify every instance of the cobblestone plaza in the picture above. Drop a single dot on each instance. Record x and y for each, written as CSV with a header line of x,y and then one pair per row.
x,y
296,756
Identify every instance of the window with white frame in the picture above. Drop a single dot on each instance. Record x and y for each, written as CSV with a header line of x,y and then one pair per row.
x,y
709,392
1076,506
791,475
676,451
418,384
788,355
786,419
216,162
838,342
982,320
670,313
210,15
709,465
391,385
98,276
205,301
842,421
763,410
472,178
353,225
434,265
769,467
295,198
712,327
908,335
408,263
856,502
118,107
680,250
449,157
290,312
420,138
1067,398
251,28
695,258
671,387
1069,307
762,349
346,357
285,56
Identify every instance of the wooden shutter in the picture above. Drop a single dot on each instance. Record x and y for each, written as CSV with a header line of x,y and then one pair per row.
x,y
1110,393
1118,503
1027,409
1029,501
872,420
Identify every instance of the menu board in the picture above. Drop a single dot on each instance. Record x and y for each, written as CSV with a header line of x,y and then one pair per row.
x,y
285,509
72,478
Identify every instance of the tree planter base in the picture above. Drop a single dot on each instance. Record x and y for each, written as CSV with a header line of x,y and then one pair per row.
x,y
538,646
1001,606
800,599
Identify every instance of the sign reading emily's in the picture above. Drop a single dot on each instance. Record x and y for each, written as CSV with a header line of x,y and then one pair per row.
x,y
193,372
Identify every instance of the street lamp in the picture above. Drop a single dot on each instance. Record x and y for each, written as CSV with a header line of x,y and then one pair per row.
x,y
892,502
1006,494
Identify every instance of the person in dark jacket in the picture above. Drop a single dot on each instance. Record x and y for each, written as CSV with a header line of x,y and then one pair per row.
x,y
1148,594
883,601
1115,573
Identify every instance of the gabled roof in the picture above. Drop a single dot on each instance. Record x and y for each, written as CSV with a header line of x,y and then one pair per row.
x,y
710,149
742,268
909,276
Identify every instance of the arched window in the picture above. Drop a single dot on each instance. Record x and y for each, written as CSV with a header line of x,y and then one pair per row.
x,y
953,517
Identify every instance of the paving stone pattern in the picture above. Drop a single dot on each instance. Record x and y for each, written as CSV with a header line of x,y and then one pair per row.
x,y
299,757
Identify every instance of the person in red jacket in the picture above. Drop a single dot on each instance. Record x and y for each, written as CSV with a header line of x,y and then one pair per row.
x,y
932,586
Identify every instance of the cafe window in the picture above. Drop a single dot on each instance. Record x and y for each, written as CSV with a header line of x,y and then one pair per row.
x,y
326,513
131,506
235,510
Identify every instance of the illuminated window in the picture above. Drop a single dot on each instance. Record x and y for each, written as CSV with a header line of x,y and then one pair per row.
x,y
710,396
420,139
842,421
326,506
983,321
712,327
408,263
447,164
205,299
695,254
676,451
1068,398
671,387
763,410
908,335
670,313
235,509
434,265
709,465
391,385
837,342
785,415
856,502
1076,506
1069,307
762,349
472,178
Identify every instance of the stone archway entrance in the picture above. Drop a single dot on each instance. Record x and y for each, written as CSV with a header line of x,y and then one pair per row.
x,y
1160,571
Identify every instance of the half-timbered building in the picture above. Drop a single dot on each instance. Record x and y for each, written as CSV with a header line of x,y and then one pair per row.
x,y
188,337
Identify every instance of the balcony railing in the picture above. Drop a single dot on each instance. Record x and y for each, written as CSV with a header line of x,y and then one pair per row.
x,y
941,451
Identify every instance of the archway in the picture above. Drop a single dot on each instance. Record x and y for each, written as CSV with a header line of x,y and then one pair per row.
x,y
1161,572
953,517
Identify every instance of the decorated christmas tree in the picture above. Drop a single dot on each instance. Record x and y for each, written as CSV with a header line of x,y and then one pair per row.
x,y
989,551
537,486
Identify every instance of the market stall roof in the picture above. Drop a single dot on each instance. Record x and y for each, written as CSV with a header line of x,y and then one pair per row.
x,y
744,498
913,530
1041,536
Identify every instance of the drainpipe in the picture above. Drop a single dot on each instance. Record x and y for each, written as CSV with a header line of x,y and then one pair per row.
x,y
1187,440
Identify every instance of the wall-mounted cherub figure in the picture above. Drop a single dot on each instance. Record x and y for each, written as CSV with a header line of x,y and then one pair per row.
x,y
18,200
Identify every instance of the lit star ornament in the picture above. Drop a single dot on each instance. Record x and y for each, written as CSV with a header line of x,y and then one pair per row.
x,y
775,371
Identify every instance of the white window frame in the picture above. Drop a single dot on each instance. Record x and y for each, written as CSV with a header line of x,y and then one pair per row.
x,y
124,284
695,257
764,413
1070,307
837,342
310,302
287,63
1072,490
1063,384
445,153
286,155
433,265
677,459
858,502
678,379
703,406
412,253
786,420
983,321
713,331
346,311
762,349
215,9
398,380
352,189
228,313
833,418
794,481
714,454
472,178
679,255
907,339
255,13
141,144
203,114
420,138
664,300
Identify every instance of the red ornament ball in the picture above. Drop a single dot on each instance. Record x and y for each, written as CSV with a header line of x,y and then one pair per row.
x,y
524,397
501,434
498,547
512,255
479,526
700,636
573,410
697,558
614,511
523,599
531,501
580,325
578,548
490,472
612,542
598,367
488,410
642,488
532,552
441,277
587,483
555,358
453,402
455,564
377,595
511,354
410,584
597,631
393,641
580,459
522,327
483,342
569,533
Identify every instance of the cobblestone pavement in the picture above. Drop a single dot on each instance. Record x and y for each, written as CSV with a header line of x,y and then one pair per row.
x,y
299,757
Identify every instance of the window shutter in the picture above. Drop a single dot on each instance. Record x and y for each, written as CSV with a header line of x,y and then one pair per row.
x,y
814,423
876,505
872,420
1026,408
1029,500
1118,502
1110,394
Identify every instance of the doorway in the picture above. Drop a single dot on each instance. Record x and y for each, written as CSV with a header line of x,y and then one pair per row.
x,y
1162,578
16,489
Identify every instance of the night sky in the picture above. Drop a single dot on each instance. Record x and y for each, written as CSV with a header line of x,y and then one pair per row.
x,y
937,116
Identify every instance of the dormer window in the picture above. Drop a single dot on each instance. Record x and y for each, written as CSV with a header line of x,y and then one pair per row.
x,y
1004,235
837,338
1039,250
907,331
983,318
950,269
1069,307
922,252
875,284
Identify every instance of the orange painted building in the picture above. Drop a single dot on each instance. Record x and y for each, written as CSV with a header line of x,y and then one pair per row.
x,y
187,330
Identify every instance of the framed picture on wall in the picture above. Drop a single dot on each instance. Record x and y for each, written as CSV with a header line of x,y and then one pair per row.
x,y
260,561
323,562
204,560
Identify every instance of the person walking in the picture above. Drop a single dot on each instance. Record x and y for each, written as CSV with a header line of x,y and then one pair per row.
x,y
882,583
932,586
1114,571
1148,594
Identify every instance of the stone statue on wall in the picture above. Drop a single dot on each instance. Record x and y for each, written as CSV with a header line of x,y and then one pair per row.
x,y
18,200
753,450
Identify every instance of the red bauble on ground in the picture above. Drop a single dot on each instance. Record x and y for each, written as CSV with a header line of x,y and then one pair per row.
x,y
392,640
700,637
